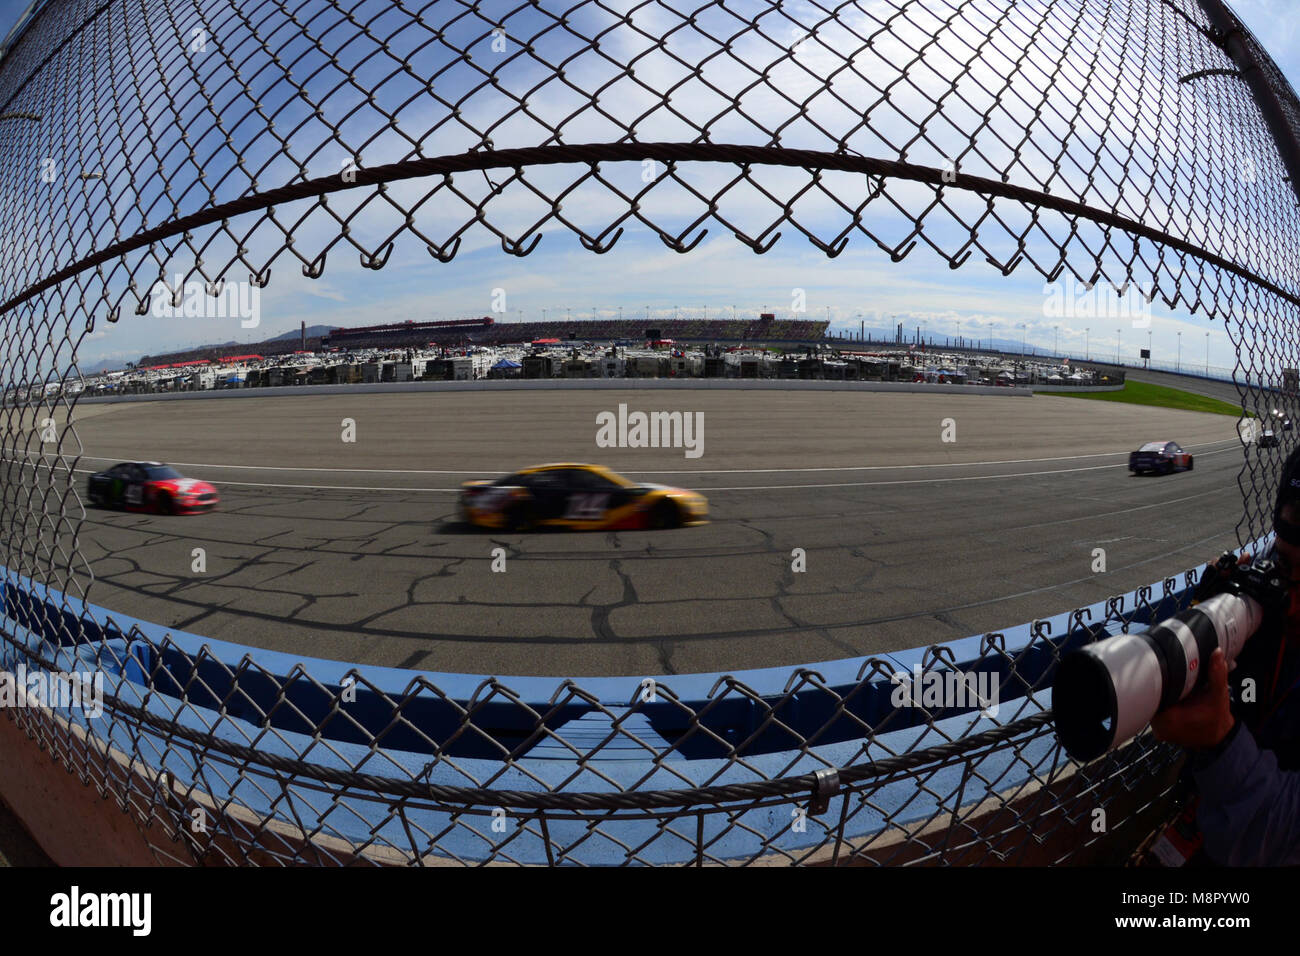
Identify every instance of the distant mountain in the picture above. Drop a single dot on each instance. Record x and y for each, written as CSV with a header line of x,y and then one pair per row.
x,y
285,341
1010,347
102,365
312,330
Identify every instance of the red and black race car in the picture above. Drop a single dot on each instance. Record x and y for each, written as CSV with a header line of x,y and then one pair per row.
x,y
1160,457
150,486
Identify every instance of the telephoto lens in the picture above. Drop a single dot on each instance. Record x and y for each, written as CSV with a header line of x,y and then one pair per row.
x,y
1105,693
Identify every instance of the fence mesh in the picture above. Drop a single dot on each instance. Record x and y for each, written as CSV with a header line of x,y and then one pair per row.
x,y
159,143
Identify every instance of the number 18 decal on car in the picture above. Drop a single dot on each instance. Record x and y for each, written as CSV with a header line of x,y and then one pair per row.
x,y
587,506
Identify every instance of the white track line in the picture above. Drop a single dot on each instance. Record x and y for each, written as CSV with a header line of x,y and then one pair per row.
x,y
926,481
701,471
845,484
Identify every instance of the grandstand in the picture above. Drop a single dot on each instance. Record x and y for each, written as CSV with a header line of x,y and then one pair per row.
x,y
486,332
411,334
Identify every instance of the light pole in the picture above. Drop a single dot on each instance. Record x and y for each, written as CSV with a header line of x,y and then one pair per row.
x,y
1207,354
1118,334
1087,356
1056,348
1178,364
1024,341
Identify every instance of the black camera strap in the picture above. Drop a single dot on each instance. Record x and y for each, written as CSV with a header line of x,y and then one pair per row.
x,y
1286,530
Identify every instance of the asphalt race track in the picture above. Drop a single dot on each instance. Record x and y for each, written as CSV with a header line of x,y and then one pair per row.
x,y
351,551
1223,391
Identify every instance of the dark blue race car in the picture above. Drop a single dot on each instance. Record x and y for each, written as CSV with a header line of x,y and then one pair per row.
x,y
1159,457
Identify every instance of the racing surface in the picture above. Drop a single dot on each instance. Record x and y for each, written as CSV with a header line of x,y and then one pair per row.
x,y
1224,391
351,550
1259,401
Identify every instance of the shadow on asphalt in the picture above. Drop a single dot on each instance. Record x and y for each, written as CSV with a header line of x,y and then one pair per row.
x,y
17,848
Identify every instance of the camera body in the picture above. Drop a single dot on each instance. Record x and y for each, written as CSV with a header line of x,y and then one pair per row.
x,y
1105,693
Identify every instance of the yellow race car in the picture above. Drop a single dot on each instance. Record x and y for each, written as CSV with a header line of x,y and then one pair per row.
x,y
578,497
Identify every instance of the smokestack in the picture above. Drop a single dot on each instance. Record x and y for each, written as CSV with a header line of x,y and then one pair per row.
x,y
302,333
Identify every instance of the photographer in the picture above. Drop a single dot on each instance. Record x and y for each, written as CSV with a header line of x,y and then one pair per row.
x,y
1243,727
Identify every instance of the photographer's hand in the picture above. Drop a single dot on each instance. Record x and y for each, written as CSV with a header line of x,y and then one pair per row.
x,y
1202,720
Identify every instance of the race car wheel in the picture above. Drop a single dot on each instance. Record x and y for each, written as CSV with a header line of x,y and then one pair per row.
x,y
665,515
1190,462
166,505
518,518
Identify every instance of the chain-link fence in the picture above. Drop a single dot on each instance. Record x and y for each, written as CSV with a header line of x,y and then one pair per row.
x,y
147,146
238,761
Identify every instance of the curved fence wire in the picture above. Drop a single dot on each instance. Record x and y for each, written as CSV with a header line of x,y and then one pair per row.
x,y
241,758
148,145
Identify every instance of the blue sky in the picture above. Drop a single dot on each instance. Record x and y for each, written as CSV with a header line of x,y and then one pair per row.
x,y
640,275
10,11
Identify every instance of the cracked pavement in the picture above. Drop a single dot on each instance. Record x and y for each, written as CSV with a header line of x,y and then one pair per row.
x,y
352,552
